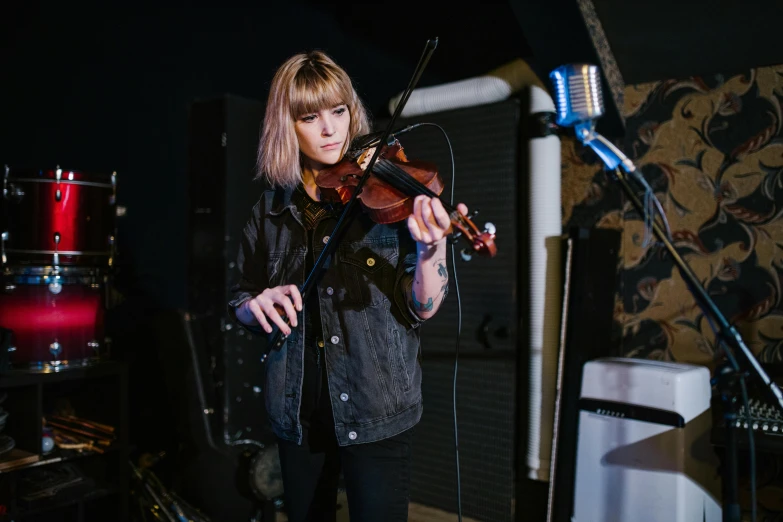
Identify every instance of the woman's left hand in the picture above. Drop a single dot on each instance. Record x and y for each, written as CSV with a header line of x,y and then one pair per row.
x,y
430,223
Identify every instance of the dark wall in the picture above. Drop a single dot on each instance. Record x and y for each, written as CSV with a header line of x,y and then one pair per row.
x,y
109,90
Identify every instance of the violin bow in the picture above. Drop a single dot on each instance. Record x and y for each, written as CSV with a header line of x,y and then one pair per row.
x,y
277,337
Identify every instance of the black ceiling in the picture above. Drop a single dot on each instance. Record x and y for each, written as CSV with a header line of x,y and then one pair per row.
x,y
473,38
669,40
651,39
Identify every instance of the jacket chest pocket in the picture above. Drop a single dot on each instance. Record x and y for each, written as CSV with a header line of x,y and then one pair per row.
x,y
369,272
283,268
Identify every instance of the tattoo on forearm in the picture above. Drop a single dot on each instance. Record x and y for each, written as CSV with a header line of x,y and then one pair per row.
x,y
419,306
442,272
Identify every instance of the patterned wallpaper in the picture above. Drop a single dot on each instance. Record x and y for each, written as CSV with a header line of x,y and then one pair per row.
x,y
712,150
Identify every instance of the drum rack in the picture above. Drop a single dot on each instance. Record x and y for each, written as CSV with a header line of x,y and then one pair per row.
x,y
32,486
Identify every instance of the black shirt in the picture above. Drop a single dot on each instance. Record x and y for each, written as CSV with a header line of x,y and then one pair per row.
x,y
316,410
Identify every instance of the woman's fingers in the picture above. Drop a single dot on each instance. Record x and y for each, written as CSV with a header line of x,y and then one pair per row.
x,y
255,309
432,228
273,303
441,216
285,303
293,291
268,307
413,228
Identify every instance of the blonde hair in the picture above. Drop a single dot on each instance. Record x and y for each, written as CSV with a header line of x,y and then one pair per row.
x,y
305,83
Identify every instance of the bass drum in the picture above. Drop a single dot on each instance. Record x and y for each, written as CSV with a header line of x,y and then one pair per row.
x,y
55,316
58,217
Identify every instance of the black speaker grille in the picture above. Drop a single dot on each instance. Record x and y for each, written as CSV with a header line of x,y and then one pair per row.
x,y
485,141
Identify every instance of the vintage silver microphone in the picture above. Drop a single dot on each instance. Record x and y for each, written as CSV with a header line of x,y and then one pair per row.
x,y
579,103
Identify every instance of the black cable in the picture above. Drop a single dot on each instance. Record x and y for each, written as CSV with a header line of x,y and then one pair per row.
x,y
459,329
751,449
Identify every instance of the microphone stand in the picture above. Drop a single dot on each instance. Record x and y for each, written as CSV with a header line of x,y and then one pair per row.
x,y
276,337
728,375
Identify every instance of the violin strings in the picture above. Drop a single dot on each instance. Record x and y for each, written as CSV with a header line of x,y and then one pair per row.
x,y
404,182
399,179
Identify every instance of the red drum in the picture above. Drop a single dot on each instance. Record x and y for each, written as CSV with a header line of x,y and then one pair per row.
x,y
56,316
58,217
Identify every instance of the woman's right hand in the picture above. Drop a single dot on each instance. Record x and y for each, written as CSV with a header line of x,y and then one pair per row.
x,y
266,307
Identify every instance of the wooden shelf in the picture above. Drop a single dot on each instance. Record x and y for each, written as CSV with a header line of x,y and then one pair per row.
x,y
18,459
61,455
98,393
19,377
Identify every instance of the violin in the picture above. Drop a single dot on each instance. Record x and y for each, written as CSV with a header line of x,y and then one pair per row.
x,y
387,195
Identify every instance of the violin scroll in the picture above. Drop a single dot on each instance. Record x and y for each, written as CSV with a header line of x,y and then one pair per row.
x,y
482,242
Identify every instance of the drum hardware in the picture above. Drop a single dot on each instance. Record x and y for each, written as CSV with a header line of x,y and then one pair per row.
x,y
55,286
11,190
56,245
15,192
113,197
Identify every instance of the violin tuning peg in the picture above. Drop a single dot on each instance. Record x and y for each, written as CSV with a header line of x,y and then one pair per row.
x,y
466,255
455,237
473,214
489,228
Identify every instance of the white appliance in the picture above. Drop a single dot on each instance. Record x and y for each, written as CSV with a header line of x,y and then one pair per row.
x,y
643,452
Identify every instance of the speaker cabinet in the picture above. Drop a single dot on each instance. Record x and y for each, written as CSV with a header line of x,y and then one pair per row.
x,y
223,144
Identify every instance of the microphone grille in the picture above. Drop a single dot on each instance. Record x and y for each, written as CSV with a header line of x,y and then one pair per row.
x,y
578,92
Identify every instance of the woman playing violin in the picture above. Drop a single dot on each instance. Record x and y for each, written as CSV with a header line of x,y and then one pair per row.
x,y
344,391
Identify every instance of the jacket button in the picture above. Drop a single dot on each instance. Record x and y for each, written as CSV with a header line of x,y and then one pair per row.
x,y
330,290
343,397
326,239
370,261
352,435
335,339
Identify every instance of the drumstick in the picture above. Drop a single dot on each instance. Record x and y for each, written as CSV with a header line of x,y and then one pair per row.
x,y
86,423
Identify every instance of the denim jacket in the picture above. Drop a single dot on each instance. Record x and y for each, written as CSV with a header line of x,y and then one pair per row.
x,y
370,332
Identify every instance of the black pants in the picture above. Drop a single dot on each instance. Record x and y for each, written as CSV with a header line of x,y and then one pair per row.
x,y
376,474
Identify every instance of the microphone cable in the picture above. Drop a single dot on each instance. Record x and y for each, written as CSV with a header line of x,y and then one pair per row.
x,y
651,204
459,325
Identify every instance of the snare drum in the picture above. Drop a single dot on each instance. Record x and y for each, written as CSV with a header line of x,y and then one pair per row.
x,y
58,217
56,316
